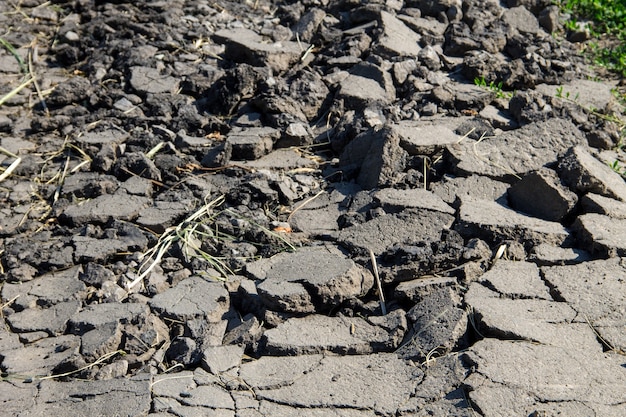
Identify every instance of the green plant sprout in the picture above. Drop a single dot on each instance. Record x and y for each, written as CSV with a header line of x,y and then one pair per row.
x,y
606,21
494,87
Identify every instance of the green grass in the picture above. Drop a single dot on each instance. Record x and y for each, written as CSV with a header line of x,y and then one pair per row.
x,y
607,23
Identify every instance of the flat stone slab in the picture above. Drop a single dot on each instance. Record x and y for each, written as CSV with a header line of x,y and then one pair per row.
x,y
536,320
439,325
124,396
105,207
556,201
245,45
584,173
319,334
516,280
476,186
162,215
424,137
602,235
547,255
52,320
492,221
109,136
147,80
334,382
41,357
523,378
193,298
397,39
596,291
595,203
589,94
517,152
47,289
290,281
381,233
394,200
188,389
97,315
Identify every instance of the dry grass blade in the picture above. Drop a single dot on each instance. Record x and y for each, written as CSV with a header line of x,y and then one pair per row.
x,y
16,90
187,233
11,167
381,296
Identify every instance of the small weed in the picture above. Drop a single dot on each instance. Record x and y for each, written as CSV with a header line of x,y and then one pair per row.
x,y
566,95
617,167
607,23
494,87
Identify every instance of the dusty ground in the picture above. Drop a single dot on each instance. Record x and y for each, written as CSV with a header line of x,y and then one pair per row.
x,y
203,205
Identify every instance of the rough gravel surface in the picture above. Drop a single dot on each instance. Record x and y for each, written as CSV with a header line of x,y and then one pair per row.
x,y
318,208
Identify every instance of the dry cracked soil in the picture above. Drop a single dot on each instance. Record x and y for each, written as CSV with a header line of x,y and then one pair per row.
x,y
308,208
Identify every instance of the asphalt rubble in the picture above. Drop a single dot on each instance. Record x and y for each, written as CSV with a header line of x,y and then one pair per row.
x,y
202,200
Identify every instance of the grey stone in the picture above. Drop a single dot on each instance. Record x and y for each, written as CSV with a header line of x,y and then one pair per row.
x,y
290,281
523,378
395,200
106,207
269,408
89,249
246,335
319,334
40,357
306,27
439,325
498,118
541,194
52,320
320,215
517,152
367,85
113,397
595,203
16,396
377,156
97,315
89,184
418,289
220,359
162,215
549,19
477,186
584,173
252,143
521,20
432,30
548,255
429,56
396,39
587,93
282,159
595,290
146,80
424,137
334,382
516,280
244,45
536,320
101,340
46,290
601,235
193,298
491,221
184,351
381,233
